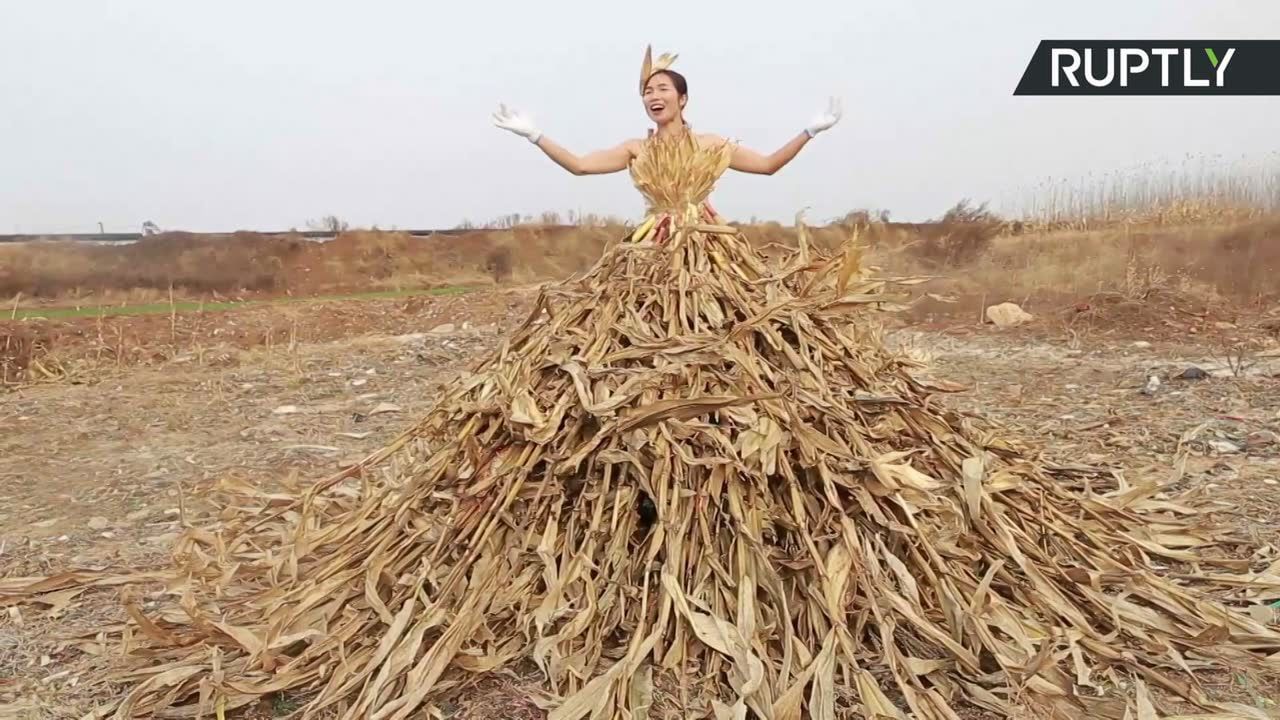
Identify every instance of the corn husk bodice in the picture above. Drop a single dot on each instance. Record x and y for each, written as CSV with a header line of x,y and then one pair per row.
x,y
676,174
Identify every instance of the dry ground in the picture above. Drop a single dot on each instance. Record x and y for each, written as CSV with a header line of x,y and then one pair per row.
x,y
98,467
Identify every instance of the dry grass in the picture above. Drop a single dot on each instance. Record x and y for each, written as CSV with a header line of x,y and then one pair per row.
x,y
1232,267
193,263
1209,216
252,264
1195,189
1118,274
978,258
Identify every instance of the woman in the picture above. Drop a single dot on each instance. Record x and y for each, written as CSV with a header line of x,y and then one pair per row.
x,y
676,193
665,93
823,539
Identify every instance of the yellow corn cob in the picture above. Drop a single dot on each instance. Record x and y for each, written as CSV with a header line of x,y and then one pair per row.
x,y
644,228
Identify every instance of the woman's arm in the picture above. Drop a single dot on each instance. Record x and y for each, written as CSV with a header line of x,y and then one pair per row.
x,y
599,162
750,161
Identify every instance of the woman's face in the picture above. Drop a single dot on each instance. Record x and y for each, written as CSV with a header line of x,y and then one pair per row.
x,y
661,99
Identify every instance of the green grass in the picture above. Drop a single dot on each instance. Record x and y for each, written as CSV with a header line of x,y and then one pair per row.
x,y
161,308
283,705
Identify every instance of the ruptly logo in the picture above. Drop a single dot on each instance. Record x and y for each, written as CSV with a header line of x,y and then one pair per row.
x,y
1153,67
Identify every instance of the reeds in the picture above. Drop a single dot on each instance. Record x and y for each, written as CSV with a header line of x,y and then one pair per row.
x,y
1197,188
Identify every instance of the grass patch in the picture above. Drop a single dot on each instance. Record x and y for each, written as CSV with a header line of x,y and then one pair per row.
x,y
282,705
185,306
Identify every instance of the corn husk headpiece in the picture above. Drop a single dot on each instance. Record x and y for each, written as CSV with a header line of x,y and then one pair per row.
x,y
650,67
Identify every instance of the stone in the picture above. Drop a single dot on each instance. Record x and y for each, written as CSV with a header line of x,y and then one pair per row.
x,y
1224,447
1261,439
1008,315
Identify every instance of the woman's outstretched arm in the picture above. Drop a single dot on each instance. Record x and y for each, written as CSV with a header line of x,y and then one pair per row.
x,y
612,160
749,161
600,162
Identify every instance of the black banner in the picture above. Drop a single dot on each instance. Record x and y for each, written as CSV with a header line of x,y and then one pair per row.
x,y
1153,67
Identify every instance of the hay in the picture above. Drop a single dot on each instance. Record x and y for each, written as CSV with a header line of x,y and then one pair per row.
x,y
697,484
24,354
16,346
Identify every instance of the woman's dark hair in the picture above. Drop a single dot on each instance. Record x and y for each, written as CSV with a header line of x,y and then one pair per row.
x,y
682,85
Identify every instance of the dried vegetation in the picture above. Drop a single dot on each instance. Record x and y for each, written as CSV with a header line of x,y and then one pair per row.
x,y
697,483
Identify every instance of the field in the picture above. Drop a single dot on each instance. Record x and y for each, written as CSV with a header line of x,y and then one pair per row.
x,y
138,377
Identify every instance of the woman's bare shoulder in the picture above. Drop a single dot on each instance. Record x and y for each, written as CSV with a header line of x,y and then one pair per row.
x,y
633,145
713,140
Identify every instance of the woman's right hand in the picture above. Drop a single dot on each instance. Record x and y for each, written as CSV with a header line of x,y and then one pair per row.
x,y
825,120
516,122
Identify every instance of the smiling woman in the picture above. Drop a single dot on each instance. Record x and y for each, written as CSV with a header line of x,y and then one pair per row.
x,y
665,94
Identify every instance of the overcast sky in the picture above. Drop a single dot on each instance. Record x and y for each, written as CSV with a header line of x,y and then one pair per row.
x,y
263,115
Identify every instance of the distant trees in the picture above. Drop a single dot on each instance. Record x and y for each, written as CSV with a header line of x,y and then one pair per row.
x,y
329,223
547,217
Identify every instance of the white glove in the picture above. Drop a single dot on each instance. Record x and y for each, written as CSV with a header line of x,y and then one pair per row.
x,y
824,121
517,123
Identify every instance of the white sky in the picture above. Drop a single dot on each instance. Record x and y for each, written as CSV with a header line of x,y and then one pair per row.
x,y
263,115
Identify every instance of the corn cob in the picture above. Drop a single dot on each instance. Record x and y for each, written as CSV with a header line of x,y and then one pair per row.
x,y
643,229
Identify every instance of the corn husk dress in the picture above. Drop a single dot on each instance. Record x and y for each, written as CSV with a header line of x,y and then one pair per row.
x,y
696,483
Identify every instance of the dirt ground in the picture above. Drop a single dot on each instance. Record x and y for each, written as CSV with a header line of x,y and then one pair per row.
x,y
99,463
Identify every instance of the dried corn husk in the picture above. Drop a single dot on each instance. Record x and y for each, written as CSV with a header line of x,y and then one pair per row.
x,y
831,540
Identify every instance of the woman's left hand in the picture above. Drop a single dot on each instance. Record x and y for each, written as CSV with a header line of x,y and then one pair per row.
x,y
824,120
516,122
